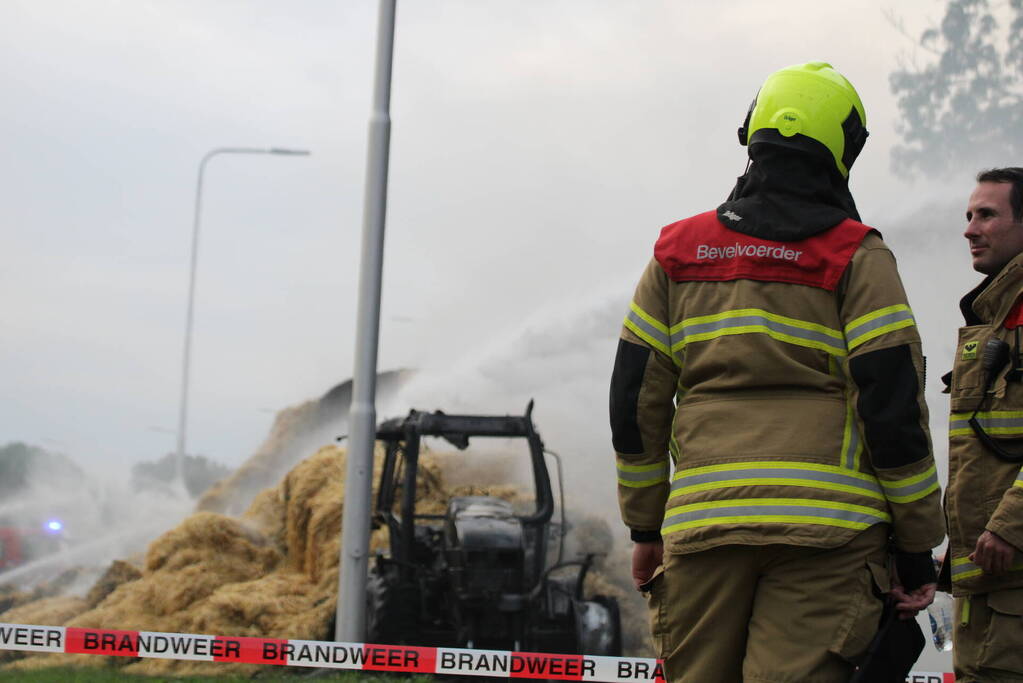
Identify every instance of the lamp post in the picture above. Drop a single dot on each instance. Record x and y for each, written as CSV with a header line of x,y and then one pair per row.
x,y
350,624
183,413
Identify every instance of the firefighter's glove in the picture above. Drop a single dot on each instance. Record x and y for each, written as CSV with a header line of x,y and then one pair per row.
x,y
915,569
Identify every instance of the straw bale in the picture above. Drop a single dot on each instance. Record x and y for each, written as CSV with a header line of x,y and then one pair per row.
x,y
266,513
313,493
12,597
117,573
206,538
53,611
283,603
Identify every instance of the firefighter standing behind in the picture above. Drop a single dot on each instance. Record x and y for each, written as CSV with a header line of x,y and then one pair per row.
x,y
985,486
770,350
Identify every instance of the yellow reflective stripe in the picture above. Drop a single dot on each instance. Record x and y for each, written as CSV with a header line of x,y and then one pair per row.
x,y
642,484
774,473
966,431
761,329
759,321
784,464
775,481
913,497
988,413
772,510
768,502
744,312
1005,422
874,315
767,519
912,488
909,481
852,442
656,467
648,328
642,334
642,476
966,573
673,448
877,323
654,322
962,568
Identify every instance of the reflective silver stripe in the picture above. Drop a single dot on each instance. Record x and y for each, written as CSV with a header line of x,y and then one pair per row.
x,y
642,476
794,477
964,566
961,425
994,422
991,423
658,338
851,439
875,327
653,476
690,331
911,492
753,514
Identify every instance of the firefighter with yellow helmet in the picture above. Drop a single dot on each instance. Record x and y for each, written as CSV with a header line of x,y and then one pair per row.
x,y
767,413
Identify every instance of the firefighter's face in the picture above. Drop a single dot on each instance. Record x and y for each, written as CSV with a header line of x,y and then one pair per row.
x,y
995,236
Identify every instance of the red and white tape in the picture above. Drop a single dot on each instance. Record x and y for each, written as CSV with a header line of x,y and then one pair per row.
x,y
355,656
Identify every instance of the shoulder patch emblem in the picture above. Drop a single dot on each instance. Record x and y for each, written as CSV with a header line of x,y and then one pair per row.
x,y
970,350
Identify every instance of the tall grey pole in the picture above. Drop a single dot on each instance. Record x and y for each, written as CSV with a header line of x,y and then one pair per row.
x,y
351,604
186,365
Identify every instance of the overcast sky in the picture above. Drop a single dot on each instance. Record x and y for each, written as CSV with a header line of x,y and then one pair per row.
x,y
537,148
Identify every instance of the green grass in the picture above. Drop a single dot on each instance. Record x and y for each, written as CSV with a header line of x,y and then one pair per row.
x,y
90,675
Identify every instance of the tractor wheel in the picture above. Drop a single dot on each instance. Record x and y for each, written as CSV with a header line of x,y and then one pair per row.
x,y
598,627
383,619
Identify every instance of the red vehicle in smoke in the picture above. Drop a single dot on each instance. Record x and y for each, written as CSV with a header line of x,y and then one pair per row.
x,y
10,548
19,545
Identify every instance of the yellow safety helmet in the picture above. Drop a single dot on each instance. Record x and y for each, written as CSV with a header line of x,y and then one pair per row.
x,y
812,100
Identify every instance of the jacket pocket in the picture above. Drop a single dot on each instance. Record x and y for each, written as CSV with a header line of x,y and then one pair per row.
x,y
1001,648
967,370
863,616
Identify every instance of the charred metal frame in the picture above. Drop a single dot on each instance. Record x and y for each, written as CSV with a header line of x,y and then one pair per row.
x,y
404,435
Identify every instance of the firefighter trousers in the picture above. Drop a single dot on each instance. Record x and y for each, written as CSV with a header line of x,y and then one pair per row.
x,y
778,613
988,637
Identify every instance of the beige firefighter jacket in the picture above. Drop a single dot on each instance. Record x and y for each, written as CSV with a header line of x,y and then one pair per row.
x,y
983,491
747,388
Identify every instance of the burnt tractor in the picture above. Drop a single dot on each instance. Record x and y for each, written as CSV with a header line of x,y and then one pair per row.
x,y
481,575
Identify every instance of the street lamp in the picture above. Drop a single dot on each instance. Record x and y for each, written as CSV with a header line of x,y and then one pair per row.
x,y
350,622
183,414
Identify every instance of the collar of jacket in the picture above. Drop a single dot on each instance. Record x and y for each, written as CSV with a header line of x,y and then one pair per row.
x,y
992,299
787,194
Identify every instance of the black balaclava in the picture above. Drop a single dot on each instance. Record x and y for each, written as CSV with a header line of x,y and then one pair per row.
x,y
790,191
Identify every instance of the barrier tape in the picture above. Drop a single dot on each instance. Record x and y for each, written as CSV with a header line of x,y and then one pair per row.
x,y
352,656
